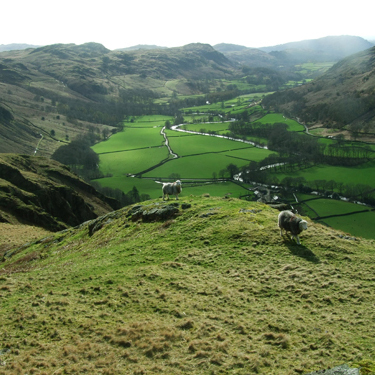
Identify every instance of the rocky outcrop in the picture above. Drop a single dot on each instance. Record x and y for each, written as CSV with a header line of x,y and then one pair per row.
x,y
338,370
42,192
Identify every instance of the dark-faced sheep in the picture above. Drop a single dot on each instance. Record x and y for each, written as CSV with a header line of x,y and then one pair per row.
x,y
289,222
171,188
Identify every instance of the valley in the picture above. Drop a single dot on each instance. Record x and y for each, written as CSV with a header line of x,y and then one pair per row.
x,y
204,151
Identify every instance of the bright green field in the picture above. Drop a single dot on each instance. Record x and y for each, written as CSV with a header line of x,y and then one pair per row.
x,y
198,144
199,166
129,162
249,154
149,121
360,225
153,189
278,117
203,118
357,224
219,189
326,207
363,174
130,139
218,127
144,186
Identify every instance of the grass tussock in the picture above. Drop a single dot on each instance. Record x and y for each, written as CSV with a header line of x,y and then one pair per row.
x,y
207,294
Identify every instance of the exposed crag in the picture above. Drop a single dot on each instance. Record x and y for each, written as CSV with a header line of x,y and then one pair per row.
x,y
41,192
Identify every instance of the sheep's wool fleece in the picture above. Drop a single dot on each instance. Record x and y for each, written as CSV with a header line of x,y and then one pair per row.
x,y
291,224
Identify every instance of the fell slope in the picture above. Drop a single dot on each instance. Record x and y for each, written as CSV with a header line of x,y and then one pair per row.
x,y
44,193
209,288
341,97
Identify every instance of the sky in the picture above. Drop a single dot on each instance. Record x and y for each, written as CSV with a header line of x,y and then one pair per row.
x,y
119,24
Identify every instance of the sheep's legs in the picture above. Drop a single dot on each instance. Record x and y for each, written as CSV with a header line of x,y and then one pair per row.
x,y
297,239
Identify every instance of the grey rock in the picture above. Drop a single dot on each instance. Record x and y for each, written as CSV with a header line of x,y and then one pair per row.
x,y
339,370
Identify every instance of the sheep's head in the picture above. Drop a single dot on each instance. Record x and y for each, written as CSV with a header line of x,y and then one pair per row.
x,y
302,225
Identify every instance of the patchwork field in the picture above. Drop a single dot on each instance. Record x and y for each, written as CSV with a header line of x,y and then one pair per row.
x,y
352,218
140,150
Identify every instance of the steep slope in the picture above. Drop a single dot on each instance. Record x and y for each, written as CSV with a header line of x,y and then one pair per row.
x,y
41,192
341,98
209,288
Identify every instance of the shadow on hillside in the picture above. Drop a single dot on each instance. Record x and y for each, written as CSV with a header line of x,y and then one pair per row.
x,y
303,252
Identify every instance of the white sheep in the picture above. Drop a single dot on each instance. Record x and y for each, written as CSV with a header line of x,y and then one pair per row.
x,y
171,188
291,223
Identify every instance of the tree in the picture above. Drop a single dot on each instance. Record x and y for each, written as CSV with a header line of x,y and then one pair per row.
x,y
134,194
222,173
174,176
232,169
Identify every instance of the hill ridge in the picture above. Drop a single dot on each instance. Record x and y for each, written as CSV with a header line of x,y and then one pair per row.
x,y
212,287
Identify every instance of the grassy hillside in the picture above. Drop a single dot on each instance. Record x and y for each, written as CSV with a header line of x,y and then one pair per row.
x,y
210,288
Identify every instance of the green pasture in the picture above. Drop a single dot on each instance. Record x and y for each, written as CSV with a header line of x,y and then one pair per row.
x,y
249,154
326,207
359,224
313,67
198,144
198,166
126,184
148,121
213,127
236,105
130,139
271,118
362,174
153,188
200,118
130,162
207,108
215,189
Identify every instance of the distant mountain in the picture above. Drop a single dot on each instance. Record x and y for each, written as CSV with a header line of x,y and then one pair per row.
x,y
15,46
342,98
250,57
140,46
62,90
227,48
42,192
283,56
331,47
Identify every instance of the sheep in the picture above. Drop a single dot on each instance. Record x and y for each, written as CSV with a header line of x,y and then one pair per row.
x,y
291,223
171,188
